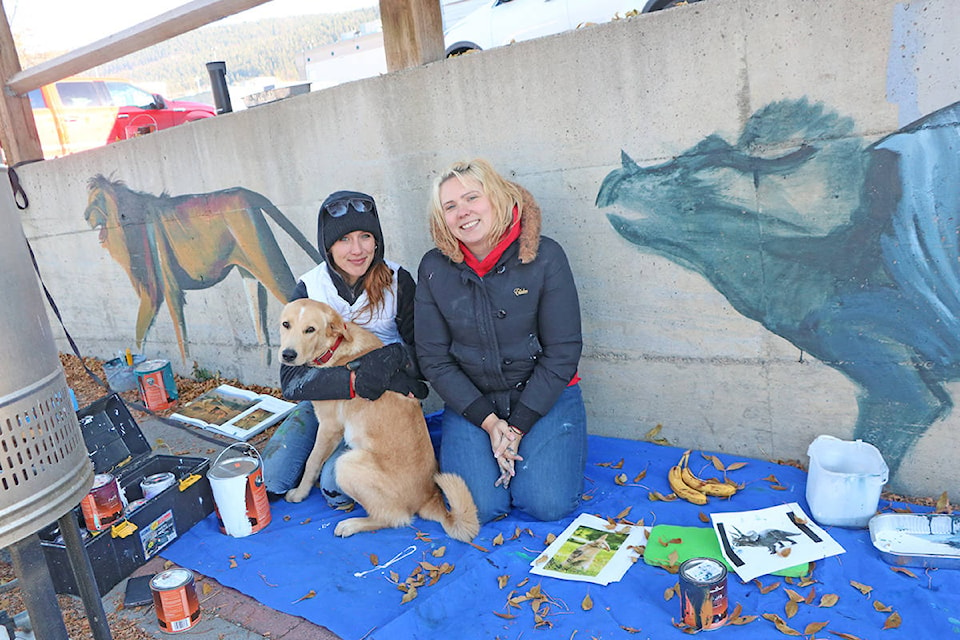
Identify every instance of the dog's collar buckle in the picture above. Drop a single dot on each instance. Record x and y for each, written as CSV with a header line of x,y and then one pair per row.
x,y
323,359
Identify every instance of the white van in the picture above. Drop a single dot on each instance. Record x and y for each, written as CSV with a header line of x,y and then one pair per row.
x,y
501,22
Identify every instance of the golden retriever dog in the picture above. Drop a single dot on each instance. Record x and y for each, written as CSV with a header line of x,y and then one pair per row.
x,y
390,468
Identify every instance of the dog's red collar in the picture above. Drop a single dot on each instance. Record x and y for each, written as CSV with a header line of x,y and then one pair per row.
x,y
323,359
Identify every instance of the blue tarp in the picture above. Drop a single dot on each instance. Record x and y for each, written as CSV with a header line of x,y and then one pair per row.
x,y
298,553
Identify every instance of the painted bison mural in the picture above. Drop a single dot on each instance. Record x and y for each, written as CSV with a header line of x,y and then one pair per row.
x,y
851,252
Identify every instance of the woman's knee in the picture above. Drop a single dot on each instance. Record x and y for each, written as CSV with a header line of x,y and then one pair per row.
x,y
548,507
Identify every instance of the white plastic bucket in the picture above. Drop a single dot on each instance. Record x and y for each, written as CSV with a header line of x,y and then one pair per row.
x,y
844,481
239,492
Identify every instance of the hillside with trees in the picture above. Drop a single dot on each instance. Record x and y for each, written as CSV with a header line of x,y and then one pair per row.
x,y
266,48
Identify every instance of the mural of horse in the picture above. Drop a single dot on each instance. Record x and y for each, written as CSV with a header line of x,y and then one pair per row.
x,y
172,244
854,256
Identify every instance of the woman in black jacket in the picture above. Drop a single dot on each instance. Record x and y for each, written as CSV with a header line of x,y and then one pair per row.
x,y
498,337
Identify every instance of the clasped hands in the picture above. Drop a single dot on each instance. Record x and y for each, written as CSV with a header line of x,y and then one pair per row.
x,y
505,443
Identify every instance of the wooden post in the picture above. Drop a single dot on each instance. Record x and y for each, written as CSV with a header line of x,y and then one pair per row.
x,y
412,32
18,131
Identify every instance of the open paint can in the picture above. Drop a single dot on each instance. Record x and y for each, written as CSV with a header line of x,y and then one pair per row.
x,y
239,493
175,599
158,389
154,484
703,593
103,505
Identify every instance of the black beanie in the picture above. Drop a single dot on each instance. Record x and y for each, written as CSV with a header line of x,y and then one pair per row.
x,y
330,228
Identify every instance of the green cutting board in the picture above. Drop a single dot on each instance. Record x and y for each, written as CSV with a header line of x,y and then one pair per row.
x,y
696,542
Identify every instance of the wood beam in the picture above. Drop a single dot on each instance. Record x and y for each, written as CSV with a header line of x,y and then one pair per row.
x,y
148,33
412,32
18,132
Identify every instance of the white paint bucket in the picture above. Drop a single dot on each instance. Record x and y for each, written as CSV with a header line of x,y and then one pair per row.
x,y
239,492
844,481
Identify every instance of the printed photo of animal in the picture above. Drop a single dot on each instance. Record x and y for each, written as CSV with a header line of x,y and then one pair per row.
x,y
854,256
172,244
772,539
390,468
586,552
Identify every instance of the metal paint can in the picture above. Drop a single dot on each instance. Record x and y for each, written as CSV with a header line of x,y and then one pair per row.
x,y
239,493
703,593
154,484
175,599
158,389
103,505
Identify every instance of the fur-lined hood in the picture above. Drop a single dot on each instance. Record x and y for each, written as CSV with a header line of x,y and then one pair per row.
x,y
530,222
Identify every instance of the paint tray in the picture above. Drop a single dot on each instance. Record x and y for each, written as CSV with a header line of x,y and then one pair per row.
x,y
928,540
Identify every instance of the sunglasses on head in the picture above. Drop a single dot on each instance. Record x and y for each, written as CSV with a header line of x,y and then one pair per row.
x,y
338,208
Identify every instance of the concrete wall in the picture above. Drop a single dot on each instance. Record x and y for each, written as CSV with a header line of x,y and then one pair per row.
x,y
667,338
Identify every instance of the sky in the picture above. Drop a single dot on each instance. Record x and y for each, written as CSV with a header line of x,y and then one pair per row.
x,y
78,23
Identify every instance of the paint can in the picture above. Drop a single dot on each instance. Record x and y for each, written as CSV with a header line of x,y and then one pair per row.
x,y
239,493
175,599
154,484
103,505
703,593
158,389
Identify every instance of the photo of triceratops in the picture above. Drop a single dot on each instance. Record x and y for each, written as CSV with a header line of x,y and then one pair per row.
x,y
854,256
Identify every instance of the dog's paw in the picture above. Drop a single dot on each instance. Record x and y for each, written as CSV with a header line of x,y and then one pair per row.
x,y
346,528
296,495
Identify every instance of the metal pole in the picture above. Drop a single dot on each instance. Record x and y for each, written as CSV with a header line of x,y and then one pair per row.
x,y
83,574
36,589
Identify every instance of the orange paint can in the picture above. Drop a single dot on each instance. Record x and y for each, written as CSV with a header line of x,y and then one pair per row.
x,y
175,600
158,388
103,505
703,593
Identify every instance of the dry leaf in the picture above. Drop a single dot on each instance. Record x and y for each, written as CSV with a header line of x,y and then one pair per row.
x,y
246,556
502,581
672,591
669,542
810,596
374,560
862,588
783,553
703,517
630,629
781,625
286,518
498,540
550,538
828,600
653,433
205,589
309,594
943,504
845,636
791,608
768,588
772,478
523,582
620,479
505,616
587,603
794,596
623,514
905,572
736,465
814,627
409,595
893,621
640,476
540,560
307,521
233,563
438,552
882,608
674,559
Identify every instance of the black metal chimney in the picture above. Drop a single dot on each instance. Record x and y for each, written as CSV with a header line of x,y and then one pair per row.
x,y
218,79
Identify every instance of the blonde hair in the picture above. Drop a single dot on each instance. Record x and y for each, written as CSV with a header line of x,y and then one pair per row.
x,y
503,195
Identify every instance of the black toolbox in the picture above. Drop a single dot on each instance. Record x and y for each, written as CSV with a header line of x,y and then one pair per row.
x,y
117,446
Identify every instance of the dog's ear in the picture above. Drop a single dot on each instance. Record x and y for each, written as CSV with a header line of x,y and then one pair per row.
x,y
346,332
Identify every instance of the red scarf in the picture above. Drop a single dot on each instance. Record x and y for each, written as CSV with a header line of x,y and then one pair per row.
x,y
483,267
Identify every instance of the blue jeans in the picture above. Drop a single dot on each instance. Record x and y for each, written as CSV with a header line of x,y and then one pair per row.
x,y
549,479
287,451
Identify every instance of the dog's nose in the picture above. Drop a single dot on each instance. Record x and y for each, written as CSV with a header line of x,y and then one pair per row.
x,y
288,355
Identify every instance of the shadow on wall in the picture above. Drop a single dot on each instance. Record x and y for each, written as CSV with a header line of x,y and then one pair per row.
x,y
855,258
172,244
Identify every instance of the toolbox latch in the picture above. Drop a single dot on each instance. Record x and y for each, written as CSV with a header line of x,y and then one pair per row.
x,y
122,529
189,480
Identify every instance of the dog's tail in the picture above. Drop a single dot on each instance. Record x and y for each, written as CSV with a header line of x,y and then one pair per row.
x,y
460,520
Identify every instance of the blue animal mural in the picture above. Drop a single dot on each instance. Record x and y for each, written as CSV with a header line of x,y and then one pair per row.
x,y
849,251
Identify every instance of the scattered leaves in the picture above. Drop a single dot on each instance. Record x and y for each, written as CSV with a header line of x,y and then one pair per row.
x,y
828,600
620,479
667,543
233,562
438,552
640,476
672,591
703,517
612,465
498,540
630,629
882,608
845,636
814,627
943,504
374,560
550,538
905,572
766,589
781,625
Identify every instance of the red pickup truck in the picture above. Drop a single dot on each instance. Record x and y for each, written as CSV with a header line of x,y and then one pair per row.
x,y
82,113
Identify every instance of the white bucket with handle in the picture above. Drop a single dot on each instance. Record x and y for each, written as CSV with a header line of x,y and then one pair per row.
x,y
239,492
844,481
